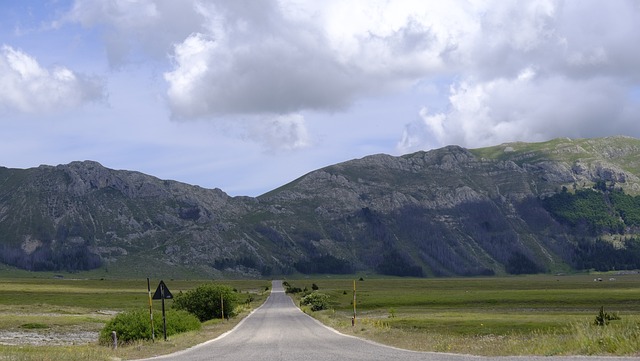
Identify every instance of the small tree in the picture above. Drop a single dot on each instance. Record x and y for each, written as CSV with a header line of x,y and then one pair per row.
x,y
204,301
314,287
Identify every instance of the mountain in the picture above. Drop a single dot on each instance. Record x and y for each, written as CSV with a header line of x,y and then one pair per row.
x,y
514,208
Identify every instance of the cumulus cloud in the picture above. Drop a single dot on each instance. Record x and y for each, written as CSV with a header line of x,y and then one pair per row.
x,y
524,108
286,57
27,87
533,72
513,68
255,62
135,30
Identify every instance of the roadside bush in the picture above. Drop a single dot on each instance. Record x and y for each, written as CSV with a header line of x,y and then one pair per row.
x,y
204,301
318,301
290,289
135,325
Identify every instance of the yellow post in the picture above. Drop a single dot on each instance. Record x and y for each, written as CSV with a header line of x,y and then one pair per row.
x,y
222,306
153,332
353,321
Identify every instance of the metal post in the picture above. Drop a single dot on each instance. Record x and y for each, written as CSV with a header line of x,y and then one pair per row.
x,y
164,318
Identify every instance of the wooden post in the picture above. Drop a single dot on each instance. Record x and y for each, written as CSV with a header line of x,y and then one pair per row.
x,y
153,331
114,339
353,320
222,306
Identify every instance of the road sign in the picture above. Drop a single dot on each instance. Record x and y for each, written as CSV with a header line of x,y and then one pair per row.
x,y
162,292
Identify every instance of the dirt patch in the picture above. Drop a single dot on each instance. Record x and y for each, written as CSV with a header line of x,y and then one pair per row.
x,y
51,328
47,337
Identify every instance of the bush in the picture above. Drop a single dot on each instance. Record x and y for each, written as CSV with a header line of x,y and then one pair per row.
x,y
204,301
136,325
290,289
318,301
603,318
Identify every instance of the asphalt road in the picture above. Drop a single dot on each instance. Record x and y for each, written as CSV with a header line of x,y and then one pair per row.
x,y
278,330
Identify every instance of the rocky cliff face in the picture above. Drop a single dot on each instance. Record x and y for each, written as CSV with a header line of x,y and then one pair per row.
x,y
450,211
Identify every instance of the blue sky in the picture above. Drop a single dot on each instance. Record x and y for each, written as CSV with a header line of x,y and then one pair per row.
x,y
246,96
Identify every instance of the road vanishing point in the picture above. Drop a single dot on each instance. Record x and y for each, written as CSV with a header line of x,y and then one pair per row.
x,y
279,331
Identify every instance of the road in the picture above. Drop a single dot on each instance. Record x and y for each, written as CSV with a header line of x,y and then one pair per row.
x,y
278,330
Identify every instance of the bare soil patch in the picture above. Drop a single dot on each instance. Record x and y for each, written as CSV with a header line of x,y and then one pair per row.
x,y
47,337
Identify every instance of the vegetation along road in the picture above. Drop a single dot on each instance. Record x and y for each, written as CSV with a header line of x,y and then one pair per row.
x,y
278,330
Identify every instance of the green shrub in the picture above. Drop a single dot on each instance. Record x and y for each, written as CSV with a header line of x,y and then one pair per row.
x,y
178,321
204,301
294,290
392,312
318,301
136,325
603,318
290,289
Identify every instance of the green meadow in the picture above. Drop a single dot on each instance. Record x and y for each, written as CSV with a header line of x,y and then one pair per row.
x,y
531,315
59,319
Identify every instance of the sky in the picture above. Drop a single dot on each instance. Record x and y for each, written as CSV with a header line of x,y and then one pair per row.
x,y
247,96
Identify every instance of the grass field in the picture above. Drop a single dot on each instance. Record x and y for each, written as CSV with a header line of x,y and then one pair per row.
x,y
533,315
58,319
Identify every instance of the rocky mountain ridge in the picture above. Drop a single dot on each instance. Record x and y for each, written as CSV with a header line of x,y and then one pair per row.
x,y
449,211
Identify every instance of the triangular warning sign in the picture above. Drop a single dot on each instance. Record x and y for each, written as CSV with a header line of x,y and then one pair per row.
x,y
162,292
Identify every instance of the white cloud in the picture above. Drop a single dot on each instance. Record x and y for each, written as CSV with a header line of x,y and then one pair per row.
x,y
136,30
27,87
280,133
537,70
192,57
524,108
280,58
255,62
517,70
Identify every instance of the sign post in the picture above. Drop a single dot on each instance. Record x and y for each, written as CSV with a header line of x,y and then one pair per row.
x,y
163,292
153,331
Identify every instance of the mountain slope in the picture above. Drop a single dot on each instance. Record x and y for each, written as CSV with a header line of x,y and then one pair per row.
x,y
450,211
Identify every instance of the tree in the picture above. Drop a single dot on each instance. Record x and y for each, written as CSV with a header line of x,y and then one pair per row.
x,y
205,301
